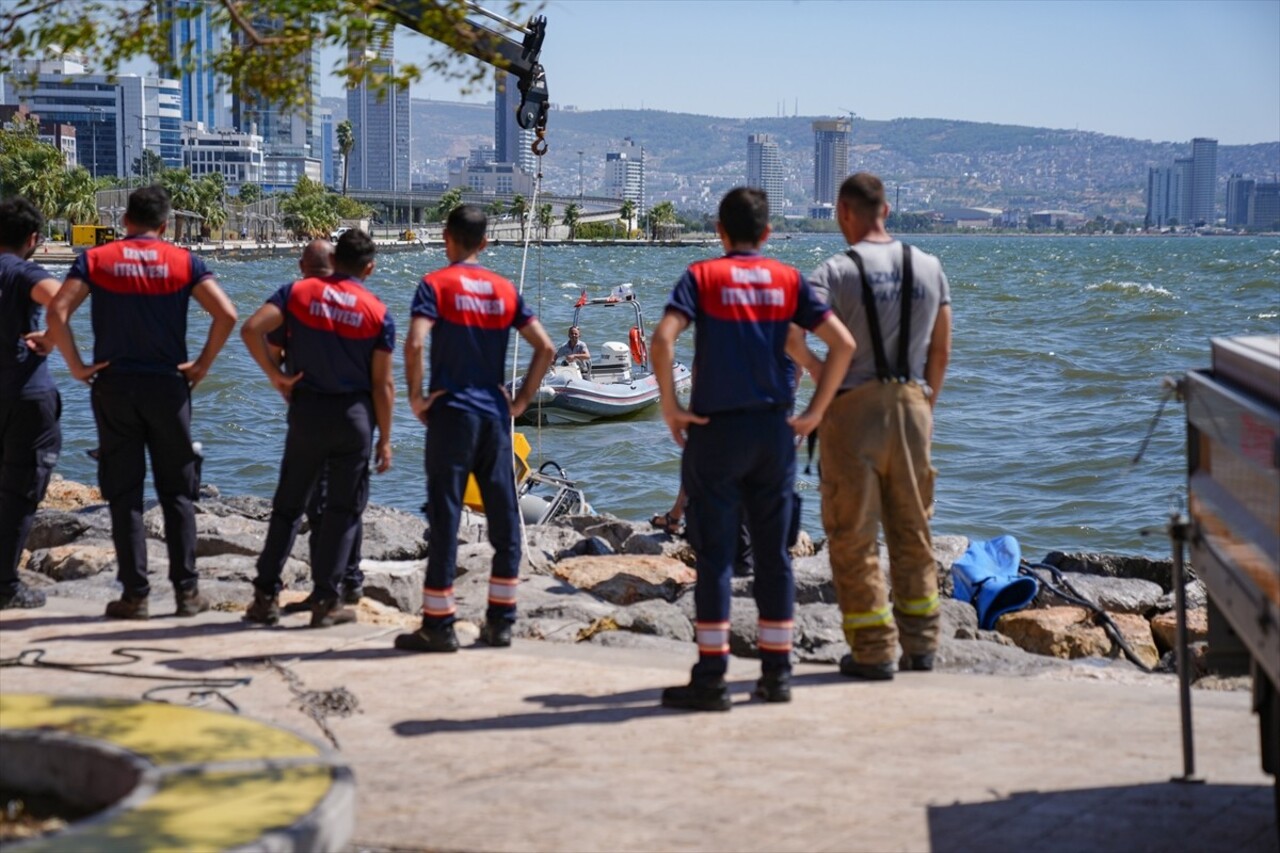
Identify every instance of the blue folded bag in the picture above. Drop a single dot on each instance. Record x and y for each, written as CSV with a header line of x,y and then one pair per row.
x,y
987,577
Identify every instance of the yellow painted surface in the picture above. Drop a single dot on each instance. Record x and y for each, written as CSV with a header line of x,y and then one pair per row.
x,y
164,734
212,811
192,810
521,450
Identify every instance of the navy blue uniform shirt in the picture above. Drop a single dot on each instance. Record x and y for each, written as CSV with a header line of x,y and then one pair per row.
x,y
742,306
23,373
141,287
332,326
473,311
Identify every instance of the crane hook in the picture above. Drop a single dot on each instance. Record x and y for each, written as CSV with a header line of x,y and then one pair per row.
x,y
539,146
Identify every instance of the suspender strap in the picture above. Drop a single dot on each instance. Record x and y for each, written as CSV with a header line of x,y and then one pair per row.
x,y
873,319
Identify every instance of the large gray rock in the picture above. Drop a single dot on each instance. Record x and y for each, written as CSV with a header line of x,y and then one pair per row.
x,y
81,559
633,640
659,618
246,506
660,544
230,534
813,579
984,657
1196,595
946,550
392,534
545,544
397,583
1117,566
1115,595
744,622
242,568
957,617
51,528
819,633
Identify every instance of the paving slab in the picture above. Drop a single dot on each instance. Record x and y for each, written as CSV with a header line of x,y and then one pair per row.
x,y
548,746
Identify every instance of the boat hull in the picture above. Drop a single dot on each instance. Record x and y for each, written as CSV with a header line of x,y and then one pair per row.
x,y
562,400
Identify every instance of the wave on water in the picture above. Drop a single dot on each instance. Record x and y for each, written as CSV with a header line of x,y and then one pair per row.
x,y
1130,287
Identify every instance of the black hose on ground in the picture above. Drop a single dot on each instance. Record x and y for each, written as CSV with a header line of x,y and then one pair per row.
x,y
1062,588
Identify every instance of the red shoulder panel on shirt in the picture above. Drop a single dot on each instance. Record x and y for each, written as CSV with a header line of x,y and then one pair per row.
x,y
337,305
139,267
474,297
747,289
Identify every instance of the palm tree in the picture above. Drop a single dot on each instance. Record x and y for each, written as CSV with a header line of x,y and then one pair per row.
x,y
628,213
346,144
546,218
519,208
211,193
572,215
448,202
661,215
80,197
182,194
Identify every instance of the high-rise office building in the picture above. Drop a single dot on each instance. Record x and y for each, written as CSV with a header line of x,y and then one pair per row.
x,y
290,138
1180,191
830,159
194,38
511,142
380,124
1266,207
624,173
764,169
1239,200
328,149
1157,197
1203,191
116,118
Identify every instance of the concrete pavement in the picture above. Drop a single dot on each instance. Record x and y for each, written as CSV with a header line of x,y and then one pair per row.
x,y
563,747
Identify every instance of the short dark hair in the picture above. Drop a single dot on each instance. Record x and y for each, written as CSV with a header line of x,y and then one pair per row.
x,y
353,252
149,207
19,219
467,224
864,194
744,213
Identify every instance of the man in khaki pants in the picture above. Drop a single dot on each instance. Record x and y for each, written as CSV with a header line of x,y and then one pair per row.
x,y
876,434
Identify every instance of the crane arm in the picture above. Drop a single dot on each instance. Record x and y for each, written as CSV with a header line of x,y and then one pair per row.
x,y
518,58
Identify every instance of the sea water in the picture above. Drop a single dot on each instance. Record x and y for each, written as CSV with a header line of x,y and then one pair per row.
x,y
1059,351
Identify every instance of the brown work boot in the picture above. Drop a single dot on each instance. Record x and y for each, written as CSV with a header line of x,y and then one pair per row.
x,y
325,613
128,608
190,601
265,609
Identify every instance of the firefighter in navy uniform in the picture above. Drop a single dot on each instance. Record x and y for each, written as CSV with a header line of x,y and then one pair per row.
x,y
468,312
30,439
141,378
339,338
739,436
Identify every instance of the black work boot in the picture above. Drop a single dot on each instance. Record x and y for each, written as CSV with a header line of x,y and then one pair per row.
x,y
774,685
24,597
265,609
351,594
429,640
695,696
189,601
866,671
325,613
496,633
128,608
916,663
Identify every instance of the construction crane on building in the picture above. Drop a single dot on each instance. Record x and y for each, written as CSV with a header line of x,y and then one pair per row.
x,y
852,116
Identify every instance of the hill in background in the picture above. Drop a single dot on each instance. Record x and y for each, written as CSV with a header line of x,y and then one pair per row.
x,y
926,163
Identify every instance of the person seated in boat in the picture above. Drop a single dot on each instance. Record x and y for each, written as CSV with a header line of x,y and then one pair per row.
x,y
574,351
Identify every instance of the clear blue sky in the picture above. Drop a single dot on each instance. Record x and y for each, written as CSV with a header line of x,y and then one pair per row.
x,y
1161,69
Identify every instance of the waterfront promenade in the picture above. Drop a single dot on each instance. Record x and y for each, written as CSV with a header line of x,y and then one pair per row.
x,y
563,747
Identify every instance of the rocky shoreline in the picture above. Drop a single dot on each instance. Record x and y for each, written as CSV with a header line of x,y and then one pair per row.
x,y
612,582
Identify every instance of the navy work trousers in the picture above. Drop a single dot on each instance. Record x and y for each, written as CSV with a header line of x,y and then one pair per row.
x,y
30,442
352,577
140,414
330,435
460,443
741,466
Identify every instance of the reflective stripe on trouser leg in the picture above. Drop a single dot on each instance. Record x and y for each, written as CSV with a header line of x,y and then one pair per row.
x,y
502,592
713,638
917,606
775,635
868,619
438,603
